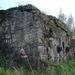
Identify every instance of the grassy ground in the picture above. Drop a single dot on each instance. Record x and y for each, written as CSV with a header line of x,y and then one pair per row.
x,y
63,68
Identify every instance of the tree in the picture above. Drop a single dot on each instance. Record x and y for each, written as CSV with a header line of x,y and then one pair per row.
x,y
62,16
69,21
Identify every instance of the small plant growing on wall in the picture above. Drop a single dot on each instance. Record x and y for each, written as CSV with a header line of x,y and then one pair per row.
x,y
45,61
44,64
52,23
51,45
59,48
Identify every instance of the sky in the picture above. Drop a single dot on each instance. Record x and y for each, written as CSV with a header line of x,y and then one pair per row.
x,y
48,6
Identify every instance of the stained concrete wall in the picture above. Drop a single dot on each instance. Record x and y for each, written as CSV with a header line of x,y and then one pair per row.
x,y
30,29
48,44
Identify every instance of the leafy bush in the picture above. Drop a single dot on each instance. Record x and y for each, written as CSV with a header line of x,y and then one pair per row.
x,y
2,71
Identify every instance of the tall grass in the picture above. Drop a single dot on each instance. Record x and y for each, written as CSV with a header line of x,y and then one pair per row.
x,y
66,67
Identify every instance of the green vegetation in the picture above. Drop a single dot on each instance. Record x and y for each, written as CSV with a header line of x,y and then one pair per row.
x,y
72,44
63,68
60,22
66,67
51,45
44,18
52,23
44,61
29,8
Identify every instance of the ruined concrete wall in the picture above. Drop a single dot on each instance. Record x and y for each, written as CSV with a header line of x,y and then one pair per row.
x,y
51,37
34,31
21,30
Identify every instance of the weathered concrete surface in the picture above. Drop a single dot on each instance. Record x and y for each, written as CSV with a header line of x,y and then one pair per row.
x,y
38,34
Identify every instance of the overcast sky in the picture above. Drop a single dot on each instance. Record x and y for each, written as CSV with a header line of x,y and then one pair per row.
x,y
49,6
